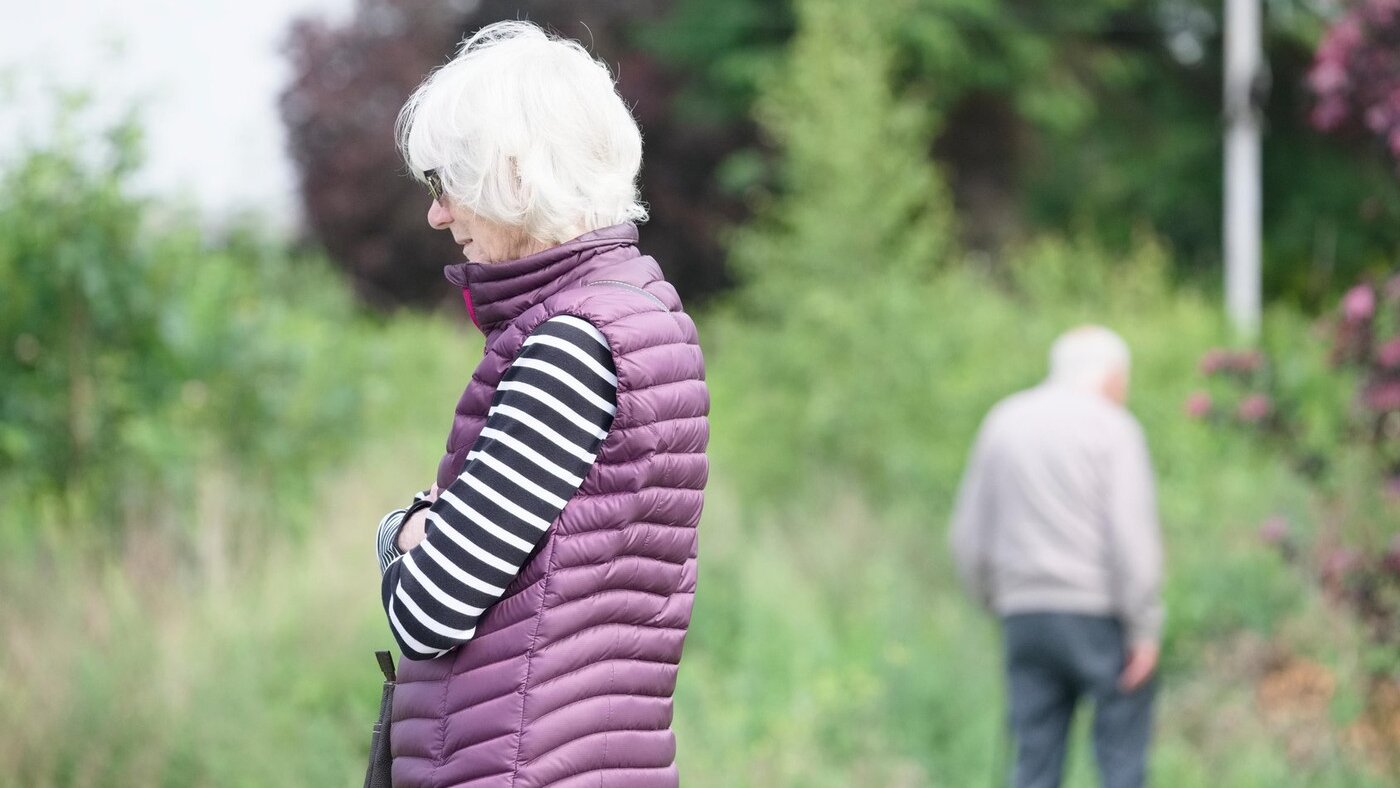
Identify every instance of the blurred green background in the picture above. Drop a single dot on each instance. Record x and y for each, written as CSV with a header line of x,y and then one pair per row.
x,y
881,214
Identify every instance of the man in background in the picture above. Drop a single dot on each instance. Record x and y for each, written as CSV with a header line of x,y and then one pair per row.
x,y
1055,531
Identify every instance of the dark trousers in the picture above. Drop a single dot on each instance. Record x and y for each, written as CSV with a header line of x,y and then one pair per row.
x,y
1053,660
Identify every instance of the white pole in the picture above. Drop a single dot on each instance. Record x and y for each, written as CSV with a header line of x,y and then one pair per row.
x,y
1242,199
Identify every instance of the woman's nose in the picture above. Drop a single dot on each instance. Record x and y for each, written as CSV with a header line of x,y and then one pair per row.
x,y
438,216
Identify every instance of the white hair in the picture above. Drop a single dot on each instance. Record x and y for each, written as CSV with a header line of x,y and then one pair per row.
x,y
1087,356
527,130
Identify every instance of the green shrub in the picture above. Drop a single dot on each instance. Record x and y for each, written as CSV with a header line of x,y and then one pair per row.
x,y
134,352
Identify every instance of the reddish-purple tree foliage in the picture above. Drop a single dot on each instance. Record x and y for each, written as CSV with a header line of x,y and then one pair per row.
x,y
348,85
1355,75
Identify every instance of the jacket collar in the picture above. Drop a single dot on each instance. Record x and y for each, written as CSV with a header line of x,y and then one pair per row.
x,y
496,293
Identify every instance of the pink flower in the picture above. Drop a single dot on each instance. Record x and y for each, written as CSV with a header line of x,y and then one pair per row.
x,y
1383,396
1247,361
1214,360
1198,405
1388,354
1219,359
1378,118
1327,76
1255,408
1329,114
1349,342
1274,531
1390,562
1381,13
1337,564
1359,303
1347,33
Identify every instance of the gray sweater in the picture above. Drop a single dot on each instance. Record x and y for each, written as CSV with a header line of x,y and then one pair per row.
x,y
1057,512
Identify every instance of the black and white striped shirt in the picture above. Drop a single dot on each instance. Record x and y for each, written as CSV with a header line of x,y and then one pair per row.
x,y
550,413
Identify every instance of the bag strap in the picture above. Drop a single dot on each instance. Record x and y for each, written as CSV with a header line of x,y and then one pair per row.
x,y
386,664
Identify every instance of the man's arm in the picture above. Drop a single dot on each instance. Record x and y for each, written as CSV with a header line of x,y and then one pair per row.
x,y
1135,551
973,523
550,414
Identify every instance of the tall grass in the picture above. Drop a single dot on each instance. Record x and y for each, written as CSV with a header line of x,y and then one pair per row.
x,y
244,666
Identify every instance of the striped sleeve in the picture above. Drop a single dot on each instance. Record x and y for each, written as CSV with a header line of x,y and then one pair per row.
x,y
551,411
388,534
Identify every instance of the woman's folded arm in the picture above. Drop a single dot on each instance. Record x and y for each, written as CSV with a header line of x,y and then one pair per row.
x,y
551,412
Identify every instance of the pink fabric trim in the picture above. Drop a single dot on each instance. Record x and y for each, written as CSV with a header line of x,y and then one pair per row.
x,y
471,310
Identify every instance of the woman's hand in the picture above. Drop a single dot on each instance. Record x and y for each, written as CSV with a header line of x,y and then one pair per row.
x,y
416,528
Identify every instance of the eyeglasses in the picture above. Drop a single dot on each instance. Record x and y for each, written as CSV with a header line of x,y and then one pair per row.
x,y
435,186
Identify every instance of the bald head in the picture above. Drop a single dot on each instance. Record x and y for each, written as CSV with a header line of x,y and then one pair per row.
x,y
1092,358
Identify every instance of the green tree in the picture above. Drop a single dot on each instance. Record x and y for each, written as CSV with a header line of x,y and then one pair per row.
x,y
856,194
1096,118
80,356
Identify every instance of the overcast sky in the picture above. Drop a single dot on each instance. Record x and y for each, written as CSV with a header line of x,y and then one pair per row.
x,y
207,72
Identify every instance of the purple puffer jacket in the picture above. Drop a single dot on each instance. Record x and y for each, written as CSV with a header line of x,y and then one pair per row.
x,y
568,681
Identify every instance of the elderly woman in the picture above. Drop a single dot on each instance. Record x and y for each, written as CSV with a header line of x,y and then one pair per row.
x,y
541,589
